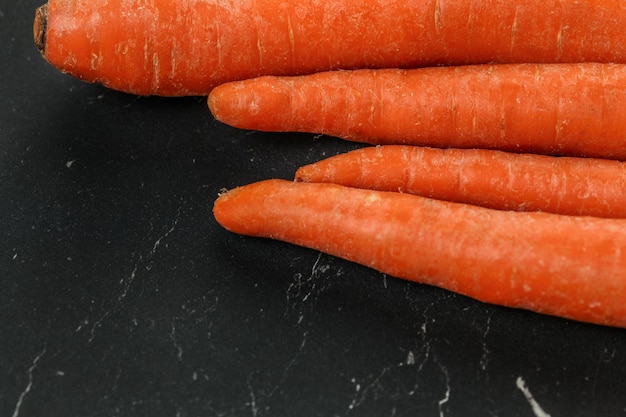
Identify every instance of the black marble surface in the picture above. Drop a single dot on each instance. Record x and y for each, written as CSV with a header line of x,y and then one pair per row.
x,y
121,296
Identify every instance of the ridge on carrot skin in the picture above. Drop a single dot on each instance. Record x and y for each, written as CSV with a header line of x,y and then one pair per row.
x,y
567,266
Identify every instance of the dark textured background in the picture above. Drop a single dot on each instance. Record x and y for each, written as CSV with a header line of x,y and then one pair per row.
x,y
121,296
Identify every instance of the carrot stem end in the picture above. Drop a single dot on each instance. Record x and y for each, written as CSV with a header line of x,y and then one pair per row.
x,y
40,28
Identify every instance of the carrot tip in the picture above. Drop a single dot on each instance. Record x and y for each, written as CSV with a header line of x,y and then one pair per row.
x,y
299,177
303,174
40,28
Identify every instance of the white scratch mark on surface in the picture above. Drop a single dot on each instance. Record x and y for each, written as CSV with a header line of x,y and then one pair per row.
x,y
290,364
96,324
179,349
258,399
484,360
29,386
357,389
360,391
157,243
446,396
253,406
123,295
80,326
521,384
70,163
128,282
425,341
307,289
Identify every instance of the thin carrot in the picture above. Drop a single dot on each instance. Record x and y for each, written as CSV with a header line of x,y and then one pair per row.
x,y
493,179
567,109
567,266
186,47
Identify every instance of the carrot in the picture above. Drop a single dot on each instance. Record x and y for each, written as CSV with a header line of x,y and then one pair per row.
x,y
186,47
567,109
493,179
568,266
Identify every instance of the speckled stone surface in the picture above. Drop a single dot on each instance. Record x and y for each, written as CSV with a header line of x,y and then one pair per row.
x,y
121,296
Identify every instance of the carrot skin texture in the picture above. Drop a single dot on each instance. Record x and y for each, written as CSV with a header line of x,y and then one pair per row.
x,y
566,109
186,47
568,266
492,179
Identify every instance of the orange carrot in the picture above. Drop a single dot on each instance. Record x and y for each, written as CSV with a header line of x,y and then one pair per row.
x,y
568,109
568,266
494,179
186,47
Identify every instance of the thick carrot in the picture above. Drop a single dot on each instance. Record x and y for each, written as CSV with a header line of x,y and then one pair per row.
x,y
186,47
568,109
494,179
568,266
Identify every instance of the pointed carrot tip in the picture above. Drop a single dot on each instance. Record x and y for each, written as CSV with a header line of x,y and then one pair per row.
x,y
301,175
220,207
220,104
210,101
